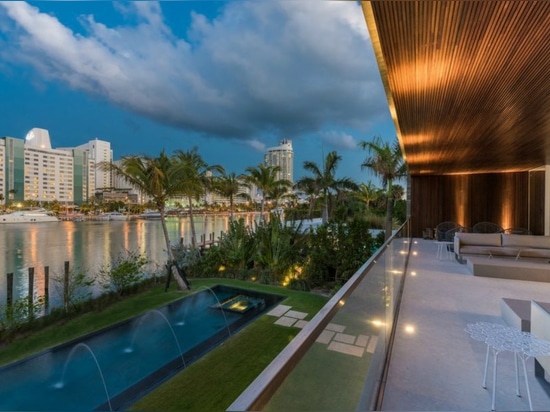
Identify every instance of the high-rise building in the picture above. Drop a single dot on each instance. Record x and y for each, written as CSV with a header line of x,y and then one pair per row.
x,y
99,151
282,156
31,170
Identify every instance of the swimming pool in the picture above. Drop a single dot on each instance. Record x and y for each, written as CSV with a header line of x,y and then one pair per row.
x,y
112,368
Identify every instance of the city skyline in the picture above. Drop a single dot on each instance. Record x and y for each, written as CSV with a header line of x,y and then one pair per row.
x,y
230,78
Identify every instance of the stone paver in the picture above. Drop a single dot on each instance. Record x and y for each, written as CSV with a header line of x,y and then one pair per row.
x,y
325,337
332,336
372,344
346,349
336,328
279,310
345,338
362,341
301,324
285,321
296,314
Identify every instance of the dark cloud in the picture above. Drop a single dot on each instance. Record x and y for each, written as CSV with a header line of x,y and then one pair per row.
x,y
270,67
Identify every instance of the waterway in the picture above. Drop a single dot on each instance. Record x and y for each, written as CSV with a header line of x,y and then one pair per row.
x,y
90,245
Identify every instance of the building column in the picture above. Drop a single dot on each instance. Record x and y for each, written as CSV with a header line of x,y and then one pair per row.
x,y
547,200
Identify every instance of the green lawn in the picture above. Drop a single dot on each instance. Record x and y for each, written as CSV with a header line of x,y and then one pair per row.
x,y
213,382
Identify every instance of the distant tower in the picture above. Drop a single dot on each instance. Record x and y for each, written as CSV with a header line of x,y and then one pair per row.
x,y
99,151
282,156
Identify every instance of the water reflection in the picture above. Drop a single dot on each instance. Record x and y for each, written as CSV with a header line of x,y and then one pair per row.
x,y
89,245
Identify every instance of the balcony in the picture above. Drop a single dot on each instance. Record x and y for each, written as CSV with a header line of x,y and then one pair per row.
x,y
393,339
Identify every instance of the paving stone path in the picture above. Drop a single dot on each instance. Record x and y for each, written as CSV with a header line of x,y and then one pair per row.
x,y
333,336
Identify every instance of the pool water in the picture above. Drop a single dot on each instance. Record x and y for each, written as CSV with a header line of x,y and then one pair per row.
x,y
112,368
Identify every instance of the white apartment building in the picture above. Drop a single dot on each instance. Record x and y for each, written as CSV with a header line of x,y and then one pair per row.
x,y
99,151
31,170
48,173
282,156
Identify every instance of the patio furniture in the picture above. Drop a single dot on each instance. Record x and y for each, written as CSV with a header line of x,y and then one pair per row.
x,y
500,244
509,269
487,227
443,228
443,250
540,326
517,231
500,338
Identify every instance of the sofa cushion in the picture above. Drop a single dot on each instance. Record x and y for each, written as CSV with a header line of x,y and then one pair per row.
x,y
526,241
479,239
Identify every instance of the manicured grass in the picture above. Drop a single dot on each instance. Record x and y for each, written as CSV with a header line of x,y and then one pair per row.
x,y
217,379
211,383
323,380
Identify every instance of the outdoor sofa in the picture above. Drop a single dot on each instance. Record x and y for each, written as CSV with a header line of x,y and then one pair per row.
x,y
540,327
500,244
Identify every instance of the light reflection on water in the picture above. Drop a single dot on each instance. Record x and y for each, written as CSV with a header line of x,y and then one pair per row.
x,y
89,245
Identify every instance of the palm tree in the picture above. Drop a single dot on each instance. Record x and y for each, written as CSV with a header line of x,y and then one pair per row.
x,y
367,193
325,180
278,192
386,161
264,177
229,186
197,179
307,186
159,178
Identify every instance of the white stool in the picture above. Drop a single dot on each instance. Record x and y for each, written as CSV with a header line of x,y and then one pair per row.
x,y
443,252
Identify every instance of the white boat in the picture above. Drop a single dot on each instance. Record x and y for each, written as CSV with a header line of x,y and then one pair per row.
x,y
112,216
29,216
150,214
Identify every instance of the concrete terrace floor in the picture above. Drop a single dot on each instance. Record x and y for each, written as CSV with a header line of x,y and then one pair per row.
x,y
438,367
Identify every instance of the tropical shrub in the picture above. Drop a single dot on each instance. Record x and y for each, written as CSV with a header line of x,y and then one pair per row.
x,y
19,313
336,250
74,286
232,257
278,249
124,271
188,258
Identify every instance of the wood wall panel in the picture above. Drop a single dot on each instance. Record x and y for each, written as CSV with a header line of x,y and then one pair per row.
x,y
536,201
508,199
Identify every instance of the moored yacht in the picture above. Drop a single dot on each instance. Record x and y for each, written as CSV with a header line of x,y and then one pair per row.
x,y
113,216
150,214
29,216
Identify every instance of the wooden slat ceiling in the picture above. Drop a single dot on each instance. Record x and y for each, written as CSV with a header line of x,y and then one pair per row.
x,y
468,82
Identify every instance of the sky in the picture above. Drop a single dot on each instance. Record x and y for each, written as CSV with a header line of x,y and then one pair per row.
x,y
230,78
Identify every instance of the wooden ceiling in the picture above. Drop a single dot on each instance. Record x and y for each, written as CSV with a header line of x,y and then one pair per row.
x,y
468,82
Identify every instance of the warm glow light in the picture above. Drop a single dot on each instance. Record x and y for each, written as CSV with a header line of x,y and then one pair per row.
x,y
409,329
415,253
377,323
506,205
413,273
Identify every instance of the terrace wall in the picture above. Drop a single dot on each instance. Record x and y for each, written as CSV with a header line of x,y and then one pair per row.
x,y
508,199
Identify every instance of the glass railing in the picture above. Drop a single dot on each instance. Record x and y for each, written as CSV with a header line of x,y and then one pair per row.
x,y
338,360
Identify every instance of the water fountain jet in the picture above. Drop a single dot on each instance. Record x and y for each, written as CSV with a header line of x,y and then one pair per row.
x,y
60,384
130,349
